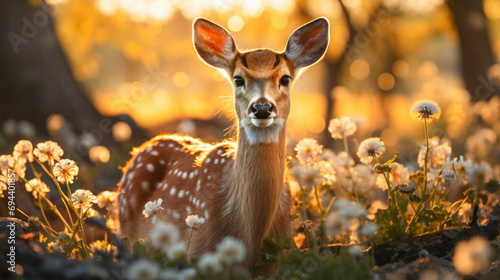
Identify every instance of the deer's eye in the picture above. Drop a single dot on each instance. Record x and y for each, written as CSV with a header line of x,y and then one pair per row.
x,y
238,81
285,80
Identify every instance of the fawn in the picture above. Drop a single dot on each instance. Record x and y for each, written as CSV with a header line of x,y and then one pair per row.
x,y
238,187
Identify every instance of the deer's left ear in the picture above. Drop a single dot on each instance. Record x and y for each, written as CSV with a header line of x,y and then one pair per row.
x,y
308,44
213,44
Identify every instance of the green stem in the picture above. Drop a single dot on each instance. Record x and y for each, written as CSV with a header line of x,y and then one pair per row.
x,y
346,148
189,241
426,157
322,211
450,216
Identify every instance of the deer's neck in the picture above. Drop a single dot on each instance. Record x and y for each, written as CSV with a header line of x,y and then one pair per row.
x,y
257,180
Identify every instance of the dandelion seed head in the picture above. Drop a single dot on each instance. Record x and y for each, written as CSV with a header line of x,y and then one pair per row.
x,y
425,110
164,235
370,149
341,127
144,270
176,251
231,250
210,263
308,151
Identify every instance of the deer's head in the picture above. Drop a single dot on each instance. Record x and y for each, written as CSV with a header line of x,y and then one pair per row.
x,y
261,77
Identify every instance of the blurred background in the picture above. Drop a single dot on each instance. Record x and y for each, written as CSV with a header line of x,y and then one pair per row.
x,y
101,76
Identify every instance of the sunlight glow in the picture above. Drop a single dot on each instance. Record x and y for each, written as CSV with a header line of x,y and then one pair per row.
x,y
386,81
235,23
360,69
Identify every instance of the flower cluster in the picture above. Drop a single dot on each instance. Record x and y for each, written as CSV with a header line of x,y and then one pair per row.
x,y
152,209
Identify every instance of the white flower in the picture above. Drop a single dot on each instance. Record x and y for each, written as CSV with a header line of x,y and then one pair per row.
x,y
106,199
193,221
187,274
472,256
348,208
210,263
480,174
23,150
101,246
398,175
438,153
482,142
151,209
327,173
369,229
176,251
83,199
370,149
48,151
164,235
169,274
231,250
65,170
364,177
337,224
143,270
37,187
355,250
341,127
425,110
449,178
308,151
18,165
3,185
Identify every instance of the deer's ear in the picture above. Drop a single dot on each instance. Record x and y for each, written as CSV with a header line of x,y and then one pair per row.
x,y
308,43
213,43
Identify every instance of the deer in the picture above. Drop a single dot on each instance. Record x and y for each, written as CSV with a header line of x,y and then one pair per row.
x,y
238,187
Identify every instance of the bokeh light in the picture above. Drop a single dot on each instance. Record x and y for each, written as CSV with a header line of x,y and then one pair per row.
x,y
386,81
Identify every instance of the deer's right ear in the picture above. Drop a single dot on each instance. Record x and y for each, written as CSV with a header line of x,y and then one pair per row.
x,y
214,44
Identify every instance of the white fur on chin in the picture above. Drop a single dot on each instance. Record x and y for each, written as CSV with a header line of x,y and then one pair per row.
x,y
262,130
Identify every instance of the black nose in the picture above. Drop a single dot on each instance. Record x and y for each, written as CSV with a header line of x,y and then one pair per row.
x,y
262,111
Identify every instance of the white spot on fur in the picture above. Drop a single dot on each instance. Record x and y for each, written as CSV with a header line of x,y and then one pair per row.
x,y
202,204
206,214
176,215
209,177
139,165
198,185
184,175
170,171
175,162
162,162
190,198
150,167
188,210
205,171
170,145
175,171
160,145
197,203
149,149
130,176
187,192
139,158
144,185
165,186
222,160
216,161
154,153
131,200
181,193
219,152
172,191
191,175
158,184
196,172
207,160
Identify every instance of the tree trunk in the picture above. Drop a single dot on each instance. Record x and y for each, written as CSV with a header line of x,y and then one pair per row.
x,y
475,48
36,80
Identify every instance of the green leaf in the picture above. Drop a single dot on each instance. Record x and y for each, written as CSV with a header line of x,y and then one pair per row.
x,y
493,186
483,197
393,159
140,249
